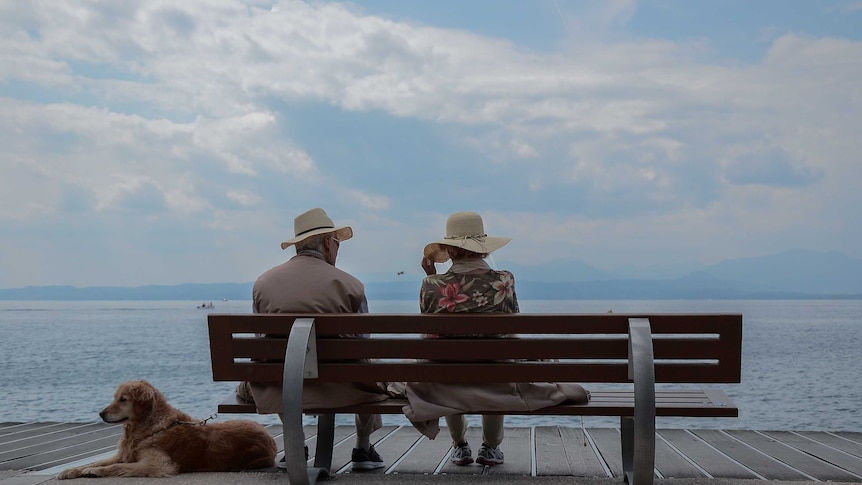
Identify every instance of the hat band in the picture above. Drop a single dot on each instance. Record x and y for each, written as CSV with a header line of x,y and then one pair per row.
x,y
476,237
314,229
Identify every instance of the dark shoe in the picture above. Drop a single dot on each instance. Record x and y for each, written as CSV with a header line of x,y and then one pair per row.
x,y
282,463
461,455
366,460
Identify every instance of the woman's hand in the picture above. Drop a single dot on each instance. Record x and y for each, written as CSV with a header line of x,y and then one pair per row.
x,y
428,266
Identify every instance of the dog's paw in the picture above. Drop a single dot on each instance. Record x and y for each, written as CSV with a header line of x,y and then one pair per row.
x,y
70,473
93,471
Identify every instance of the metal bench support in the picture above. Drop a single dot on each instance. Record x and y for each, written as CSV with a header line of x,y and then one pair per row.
x,y
638,432
300,362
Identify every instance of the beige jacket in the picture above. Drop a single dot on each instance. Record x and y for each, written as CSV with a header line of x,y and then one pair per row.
x,y
308,284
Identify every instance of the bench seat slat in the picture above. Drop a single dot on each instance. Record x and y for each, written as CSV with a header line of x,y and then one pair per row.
x,y
517,372
602,323
479,349
695,403
486,372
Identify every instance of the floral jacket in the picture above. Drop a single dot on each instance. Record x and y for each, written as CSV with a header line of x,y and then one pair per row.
x,y
464,289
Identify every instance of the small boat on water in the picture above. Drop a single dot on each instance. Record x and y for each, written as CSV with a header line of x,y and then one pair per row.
x,y
206,306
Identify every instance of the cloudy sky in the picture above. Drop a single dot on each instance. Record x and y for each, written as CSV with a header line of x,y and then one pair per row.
x,y
163,142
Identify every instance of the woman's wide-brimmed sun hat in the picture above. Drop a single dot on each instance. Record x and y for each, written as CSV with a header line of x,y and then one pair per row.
x,y
464,230
312,223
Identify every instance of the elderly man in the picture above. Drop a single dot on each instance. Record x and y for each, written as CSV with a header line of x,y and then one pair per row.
x,y
310,283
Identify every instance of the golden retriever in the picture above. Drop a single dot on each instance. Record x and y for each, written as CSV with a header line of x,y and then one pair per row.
x,y
159,440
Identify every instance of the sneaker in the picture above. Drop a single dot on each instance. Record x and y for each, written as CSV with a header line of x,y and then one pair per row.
x,y
490,456
366,460
462,455
281,463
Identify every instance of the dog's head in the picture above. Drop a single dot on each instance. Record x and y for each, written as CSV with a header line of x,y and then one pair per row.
x,y
133,401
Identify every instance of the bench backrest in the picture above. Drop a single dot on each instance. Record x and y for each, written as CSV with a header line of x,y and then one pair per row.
x,y
688,348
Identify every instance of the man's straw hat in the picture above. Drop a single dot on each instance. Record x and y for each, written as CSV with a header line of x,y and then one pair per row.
x,y
464,230
315,222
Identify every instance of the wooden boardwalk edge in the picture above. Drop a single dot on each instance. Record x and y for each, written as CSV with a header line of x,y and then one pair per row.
x,y
46,448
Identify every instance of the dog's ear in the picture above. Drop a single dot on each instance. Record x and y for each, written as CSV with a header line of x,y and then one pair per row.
x,y
141,392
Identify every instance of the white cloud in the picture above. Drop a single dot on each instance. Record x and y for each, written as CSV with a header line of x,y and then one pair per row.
x,y
368,201
181,197
243,198
113,156
199,111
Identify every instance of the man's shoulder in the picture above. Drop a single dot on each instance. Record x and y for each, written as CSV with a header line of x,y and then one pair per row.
x,y
307,268
345,276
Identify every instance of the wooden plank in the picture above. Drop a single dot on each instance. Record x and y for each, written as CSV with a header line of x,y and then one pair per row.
x,y
55,456
836,441
851,466
804,463
233,404
551,458
604,402
427,454
15,431
344,443
706,457
607,441
34,438
671,464
479,372
479,349
393,447
517,451
60,439
583,459
37,455
856,437
760,463
8,425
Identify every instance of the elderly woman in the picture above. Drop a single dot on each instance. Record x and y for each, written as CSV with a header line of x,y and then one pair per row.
x,y
470,285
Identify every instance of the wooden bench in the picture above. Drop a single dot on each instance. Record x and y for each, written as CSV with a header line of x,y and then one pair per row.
x,y
636,350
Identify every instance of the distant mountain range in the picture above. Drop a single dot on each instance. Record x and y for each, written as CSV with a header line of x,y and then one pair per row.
x,y
787,275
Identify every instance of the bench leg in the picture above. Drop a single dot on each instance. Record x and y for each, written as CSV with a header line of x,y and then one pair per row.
x,y
627,435
325,441
638,450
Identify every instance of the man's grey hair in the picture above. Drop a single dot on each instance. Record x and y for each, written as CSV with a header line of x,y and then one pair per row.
x,y
314,243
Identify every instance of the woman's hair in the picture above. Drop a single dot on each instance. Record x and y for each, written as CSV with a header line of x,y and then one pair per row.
x,y
461,253
314,243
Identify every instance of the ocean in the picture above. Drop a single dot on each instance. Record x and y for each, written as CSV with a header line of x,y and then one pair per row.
x,y
62,360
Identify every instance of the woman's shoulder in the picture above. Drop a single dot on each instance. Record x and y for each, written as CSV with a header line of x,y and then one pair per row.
x,y
503,275
438,279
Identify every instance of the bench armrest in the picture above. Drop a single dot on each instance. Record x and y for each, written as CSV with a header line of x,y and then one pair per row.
x,y
300,362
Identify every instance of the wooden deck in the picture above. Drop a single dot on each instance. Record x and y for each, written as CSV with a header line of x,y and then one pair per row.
x,y
47,448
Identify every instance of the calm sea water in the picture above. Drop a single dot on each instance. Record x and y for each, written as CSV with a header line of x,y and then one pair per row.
x,y
61,361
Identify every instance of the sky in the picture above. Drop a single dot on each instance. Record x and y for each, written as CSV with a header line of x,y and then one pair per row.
x,y
162,142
